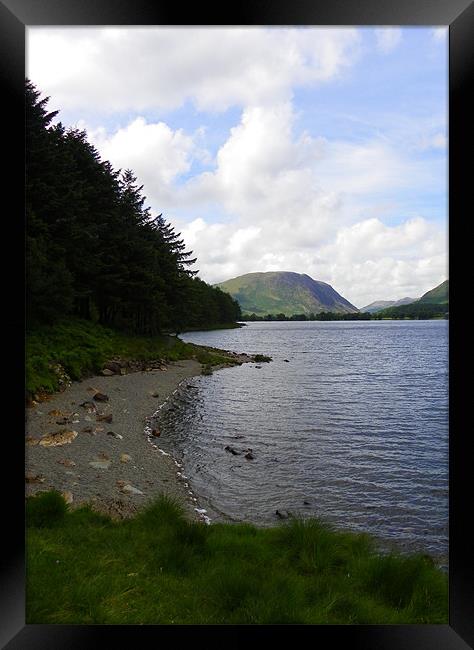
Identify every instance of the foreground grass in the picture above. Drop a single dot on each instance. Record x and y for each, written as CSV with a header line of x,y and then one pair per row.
x,y
81,347
159,568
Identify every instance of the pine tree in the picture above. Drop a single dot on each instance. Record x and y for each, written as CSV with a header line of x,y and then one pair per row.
x,y
93,248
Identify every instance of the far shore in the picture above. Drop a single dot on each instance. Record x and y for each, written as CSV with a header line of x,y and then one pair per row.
x,y
113,463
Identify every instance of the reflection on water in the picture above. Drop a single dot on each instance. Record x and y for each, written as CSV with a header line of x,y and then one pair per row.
x,y
348,422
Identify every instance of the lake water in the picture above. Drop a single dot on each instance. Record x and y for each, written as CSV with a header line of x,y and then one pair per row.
x,y
349,422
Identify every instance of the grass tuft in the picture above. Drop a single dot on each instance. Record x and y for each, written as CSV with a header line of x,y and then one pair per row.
x,y
46,509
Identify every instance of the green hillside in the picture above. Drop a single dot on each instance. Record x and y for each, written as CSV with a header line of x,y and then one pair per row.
x,y
433,304
281,292
438,295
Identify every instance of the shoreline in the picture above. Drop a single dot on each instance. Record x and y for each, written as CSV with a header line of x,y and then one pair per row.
x,y
108,455
117,466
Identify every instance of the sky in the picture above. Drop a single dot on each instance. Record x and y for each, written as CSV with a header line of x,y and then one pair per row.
x,y
318,150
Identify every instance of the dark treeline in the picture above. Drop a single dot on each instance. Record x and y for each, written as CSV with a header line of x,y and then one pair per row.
x,y
415,310
93,250
420,312
324,315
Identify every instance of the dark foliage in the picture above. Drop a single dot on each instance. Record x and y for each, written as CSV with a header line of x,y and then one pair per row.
x,y
415,311
93,249
324,315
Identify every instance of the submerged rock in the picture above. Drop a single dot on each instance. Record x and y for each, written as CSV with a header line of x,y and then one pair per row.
x,y
232,450
283,514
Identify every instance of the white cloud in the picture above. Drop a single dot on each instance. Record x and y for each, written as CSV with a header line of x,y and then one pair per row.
x,y
369,260
371,239
265,169
286,196
260,166
155,153
112,69
388,38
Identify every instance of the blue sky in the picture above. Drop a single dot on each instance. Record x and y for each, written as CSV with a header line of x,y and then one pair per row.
x,y
316,150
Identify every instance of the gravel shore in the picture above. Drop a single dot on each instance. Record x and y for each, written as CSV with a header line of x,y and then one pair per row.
x,y
111,464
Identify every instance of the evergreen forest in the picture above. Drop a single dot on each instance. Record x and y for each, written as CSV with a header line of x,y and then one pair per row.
x,y
94,250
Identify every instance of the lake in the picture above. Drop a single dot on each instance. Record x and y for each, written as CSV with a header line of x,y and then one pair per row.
x,y
349,422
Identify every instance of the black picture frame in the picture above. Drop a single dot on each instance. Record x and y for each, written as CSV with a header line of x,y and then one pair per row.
x,y
15,17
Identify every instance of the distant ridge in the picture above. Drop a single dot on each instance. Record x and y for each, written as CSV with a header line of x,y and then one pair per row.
x,y
284,292
383,304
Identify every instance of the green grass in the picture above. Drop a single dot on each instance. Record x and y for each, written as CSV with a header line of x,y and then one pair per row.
x,y
160,568
81,347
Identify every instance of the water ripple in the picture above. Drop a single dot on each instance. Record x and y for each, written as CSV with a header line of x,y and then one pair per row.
x,y
353,429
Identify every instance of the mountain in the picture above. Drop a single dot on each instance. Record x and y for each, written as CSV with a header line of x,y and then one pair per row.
x,y
432,304
383,304
438,295
283,292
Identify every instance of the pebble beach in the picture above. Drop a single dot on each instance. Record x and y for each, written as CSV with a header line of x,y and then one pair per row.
x,y
93,442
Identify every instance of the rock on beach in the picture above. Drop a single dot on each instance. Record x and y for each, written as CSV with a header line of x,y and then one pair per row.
x,y
114,471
